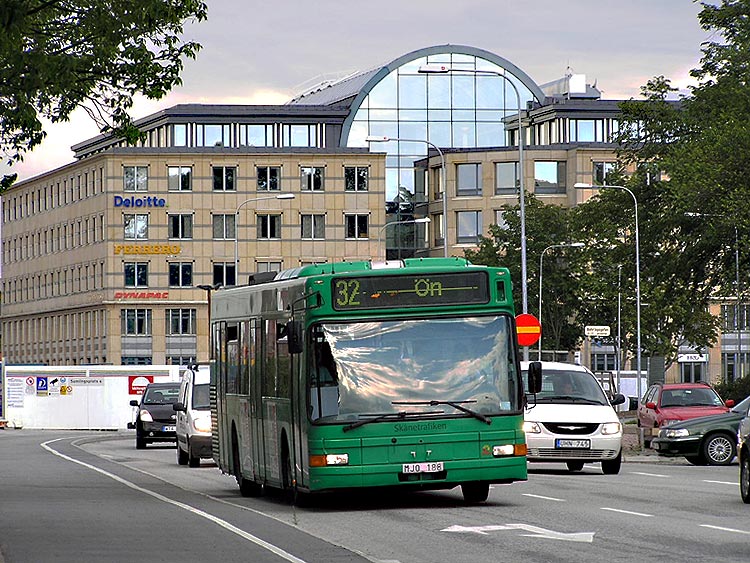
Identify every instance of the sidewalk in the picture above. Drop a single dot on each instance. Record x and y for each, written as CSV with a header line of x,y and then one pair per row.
x,y
633,452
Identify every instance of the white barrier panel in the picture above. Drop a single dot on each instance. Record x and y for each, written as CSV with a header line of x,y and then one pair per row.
x,y
77,398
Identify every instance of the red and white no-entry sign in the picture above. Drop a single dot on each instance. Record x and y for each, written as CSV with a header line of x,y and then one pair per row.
x,y
528,329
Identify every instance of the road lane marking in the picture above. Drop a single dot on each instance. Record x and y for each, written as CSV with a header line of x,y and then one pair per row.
x,y
627,512
543,497
650,474
223,523
535,532
733,483
724,529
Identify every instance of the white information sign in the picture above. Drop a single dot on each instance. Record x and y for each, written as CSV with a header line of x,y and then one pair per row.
x,y
596,331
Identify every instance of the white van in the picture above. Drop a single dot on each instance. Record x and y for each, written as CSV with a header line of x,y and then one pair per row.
x,y
193,417
571,420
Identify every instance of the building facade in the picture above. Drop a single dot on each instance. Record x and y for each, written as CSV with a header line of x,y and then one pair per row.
x,y
110,258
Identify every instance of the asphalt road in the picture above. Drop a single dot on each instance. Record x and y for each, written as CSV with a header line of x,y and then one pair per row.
x,y
153,509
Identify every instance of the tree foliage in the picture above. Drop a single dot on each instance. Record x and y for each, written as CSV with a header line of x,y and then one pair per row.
x,y
58,55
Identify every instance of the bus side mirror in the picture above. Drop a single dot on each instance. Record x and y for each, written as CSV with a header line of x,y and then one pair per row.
x,y
534,383
294,332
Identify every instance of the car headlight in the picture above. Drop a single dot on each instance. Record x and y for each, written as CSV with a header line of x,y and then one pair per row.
x,y
611,428
532,427
674,432
668,421
202,424
145,416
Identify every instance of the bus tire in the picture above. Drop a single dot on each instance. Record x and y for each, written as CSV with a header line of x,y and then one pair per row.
x,y
475,492
247,488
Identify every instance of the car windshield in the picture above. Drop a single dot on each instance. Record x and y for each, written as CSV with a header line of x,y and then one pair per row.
x,y
690,397
200,397
161,395
569,386
366,369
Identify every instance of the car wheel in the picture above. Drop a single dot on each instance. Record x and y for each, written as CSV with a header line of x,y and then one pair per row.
x,y
140,441
745,477
574,465
612,466
193,461
719,449
475,492
182,456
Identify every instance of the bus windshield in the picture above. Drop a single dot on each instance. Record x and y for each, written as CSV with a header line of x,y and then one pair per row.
x,y
366,369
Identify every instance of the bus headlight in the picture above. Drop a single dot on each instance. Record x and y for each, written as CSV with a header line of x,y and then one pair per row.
x,y
329,459
507,450
532,427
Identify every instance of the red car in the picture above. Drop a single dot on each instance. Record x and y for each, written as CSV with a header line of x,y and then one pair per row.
x,y
665,403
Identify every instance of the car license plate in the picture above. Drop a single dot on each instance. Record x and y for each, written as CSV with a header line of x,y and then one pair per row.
x,y
428,467
578,444
168,428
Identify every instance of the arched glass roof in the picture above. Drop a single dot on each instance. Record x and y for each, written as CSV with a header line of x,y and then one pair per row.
x,y
461,109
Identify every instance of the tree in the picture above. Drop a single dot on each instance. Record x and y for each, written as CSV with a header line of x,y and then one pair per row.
x,y
700,145
58,55
546,225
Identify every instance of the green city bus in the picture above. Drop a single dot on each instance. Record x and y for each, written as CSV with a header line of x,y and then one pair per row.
x,y
364,374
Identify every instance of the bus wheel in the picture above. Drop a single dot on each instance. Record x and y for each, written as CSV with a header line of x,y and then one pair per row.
x,y
475,492
247,488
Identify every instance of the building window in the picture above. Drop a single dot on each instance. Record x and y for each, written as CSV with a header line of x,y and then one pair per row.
x,y
179,135
180,225
224,178
469,225
136,226
355,178
356,225
180,178
437,229
601,172
269,226
224,274
223,226
586,130
135,322
313,226
136,360
603,361
136,274
549,177
299,136
257,135
311,178
506,178
263,266
181,321
269,178
469,179
180,274
135,178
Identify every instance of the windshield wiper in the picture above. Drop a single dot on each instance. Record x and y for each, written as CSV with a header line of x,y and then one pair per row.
x,y
455,404
386,416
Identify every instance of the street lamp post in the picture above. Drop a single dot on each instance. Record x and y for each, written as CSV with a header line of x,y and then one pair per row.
x,y
737,318
421,220
237,227
381,139
580,186
541,268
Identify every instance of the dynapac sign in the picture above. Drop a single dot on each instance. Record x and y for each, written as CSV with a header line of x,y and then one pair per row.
x,y
145,201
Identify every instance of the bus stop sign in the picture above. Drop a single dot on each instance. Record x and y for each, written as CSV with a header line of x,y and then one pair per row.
x,y
528,329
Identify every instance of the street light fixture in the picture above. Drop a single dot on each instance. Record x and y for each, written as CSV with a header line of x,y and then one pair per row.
x,y
381,139
740,363
421,220
541,268
237,227
445,69
581,186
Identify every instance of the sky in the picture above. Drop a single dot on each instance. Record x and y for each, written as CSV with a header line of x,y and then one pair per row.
x,y
266,53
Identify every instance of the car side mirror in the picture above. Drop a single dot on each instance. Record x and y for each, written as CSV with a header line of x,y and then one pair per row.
x,y
650,405
131,426
134,403
618,399
534,375
295,339
730,403
178,407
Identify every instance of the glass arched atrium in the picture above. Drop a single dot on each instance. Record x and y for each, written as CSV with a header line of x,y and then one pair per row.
x,y
461,109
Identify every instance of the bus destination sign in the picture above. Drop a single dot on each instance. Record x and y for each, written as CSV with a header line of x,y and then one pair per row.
x,y
421,290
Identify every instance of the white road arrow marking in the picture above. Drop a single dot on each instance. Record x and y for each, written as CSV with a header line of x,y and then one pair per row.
x,y
536,532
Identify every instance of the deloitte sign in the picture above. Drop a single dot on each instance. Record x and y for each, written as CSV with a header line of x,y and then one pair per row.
x,y
145,201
